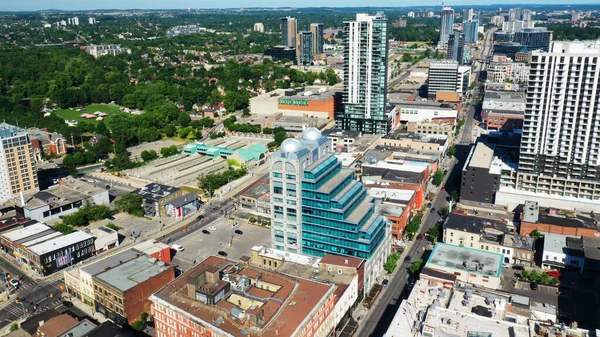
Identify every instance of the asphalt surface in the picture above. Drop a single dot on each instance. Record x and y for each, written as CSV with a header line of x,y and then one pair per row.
x,y
473,112
33,295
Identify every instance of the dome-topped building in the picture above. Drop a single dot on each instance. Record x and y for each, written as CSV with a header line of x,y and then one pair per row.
x,y
291,145
311,134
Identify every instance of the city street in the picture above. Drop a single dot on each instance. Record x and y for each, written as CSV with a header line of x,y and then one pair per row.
x,y
380,315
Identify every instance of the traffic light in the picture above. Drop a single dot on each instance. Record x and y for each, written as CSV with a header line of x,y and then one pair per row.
x,y
51,295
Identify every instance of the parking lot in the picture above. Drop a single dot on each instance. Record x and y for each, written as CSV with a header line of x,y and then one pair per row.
x,y
200,245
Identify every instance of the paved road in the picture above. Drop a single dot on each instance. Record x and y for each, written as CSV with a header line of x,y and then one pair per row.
x,y
33,295
467,134
379,317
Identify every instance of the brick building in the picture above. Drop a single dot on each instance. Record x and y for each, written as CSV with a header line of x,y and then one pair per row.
x,y
555,221
220,297
121,292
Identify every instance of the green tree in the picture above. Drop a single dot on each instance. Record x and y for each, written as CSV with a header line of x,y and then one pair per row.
x,y
451,151
415,267
454,195
524,274
544,278
63,228
438,178
392,262
169,150
101,129
130,203
148,155
536,235
534,276
14,327
209,183
113,226
413,226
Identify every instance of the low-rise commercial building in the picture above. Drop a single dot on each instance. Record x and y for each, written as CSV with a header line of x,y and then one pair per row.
x,y
471,266
424,111
280,53
556,253
434,143
431,128
106,238
503,111
47,143
62,199
156,197
256,197
311,101
39,247
220,297
557,221
397,205
121,292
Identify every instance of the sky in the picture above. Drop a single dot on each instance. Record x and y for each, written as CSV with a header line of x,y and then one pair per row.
x,y
31,5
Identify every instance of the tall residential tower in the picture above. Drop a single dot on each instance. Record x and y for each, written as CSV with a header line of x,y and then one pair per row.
x,y
17,165
446,24
365,75
289,29
317,30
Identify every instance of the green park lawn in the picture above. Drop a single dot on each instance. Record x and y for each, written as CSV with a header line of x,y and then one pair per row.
x,y
70,115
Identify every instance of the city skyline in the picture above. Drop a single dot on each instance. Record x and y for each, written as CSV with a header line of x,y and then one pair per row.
x,y
70,5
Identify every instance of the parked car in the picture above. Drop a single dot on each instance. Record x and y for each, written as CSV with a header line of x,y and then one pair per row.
x,y
518,267
67,304
204,231
14,282
177,247
237,231
432,209
420,237
554,273
385,283
407,259
222,253
200,217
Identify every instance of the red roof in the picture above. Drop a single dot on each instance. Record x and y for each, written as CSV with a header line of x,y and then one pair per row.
x,y
339,260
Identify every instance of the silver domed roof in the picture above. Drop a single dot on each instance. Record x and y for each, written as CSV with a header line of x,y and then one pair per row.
x,y
312,134
291,145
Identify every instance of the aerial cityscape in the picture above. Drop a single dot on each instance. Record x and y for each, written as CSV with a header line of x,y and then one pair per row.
x,y
423,171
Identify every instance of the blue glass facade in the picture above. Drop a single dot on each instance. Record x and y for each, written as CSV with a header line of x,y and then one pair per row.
x,y
337,213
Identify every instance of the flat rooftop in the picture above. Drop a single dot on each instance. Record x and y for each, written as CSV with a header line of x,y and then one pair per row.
x,y
258,189
156,192
392,194
555,243
67,192
131,273
298,93
466,259
60,242
482,156
504,101
472,224
532,213
425,105
290,301
111,261
27,231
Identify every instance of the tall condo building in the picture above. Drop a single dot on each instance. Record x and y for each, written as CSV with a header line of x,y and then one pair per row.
x,y
365,75
446,23
471,31
289,29
305,48
319,208
456,47
467,14
560,130
317,30
17,164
